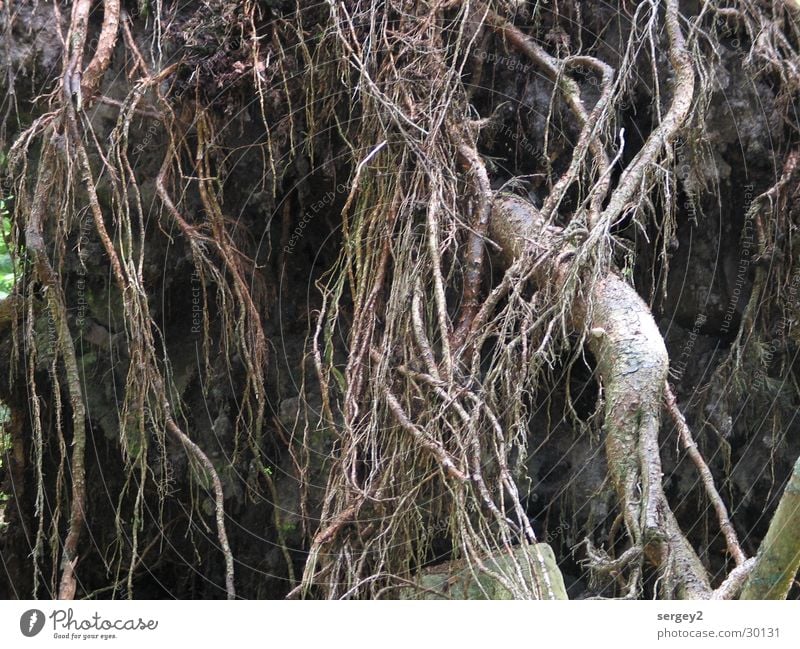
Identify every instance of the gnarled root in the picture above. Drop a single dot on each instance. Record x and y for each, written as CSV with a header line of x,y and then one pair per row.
x,y
632,362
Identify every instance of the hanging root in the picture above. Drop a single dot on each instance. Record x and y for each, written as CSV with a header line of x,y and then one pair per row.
x,y
67,181
473,274
429,376
106,42
202,458
58,312
447,414
415,422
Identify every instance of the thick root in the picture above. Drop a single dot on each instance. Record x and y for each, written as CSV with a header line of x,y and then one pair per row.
x,y
633,363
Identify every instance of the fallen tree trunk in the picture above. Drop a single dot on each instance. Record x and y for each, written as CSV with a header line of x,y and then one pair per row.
x,y
632,362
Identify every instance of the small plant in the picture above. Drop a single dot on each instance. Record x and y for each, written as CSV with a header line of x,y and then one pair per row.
x,y
7,275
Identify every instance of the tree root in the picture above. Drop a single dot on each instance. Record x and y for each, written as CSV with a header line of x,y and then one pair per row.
x,y
219,507
473,273
632,362
58,311
687,440
778,558
106,42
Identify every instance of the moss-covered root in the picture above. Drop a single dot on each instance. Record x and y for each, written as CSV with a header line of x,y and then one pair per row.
x,y
778,557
